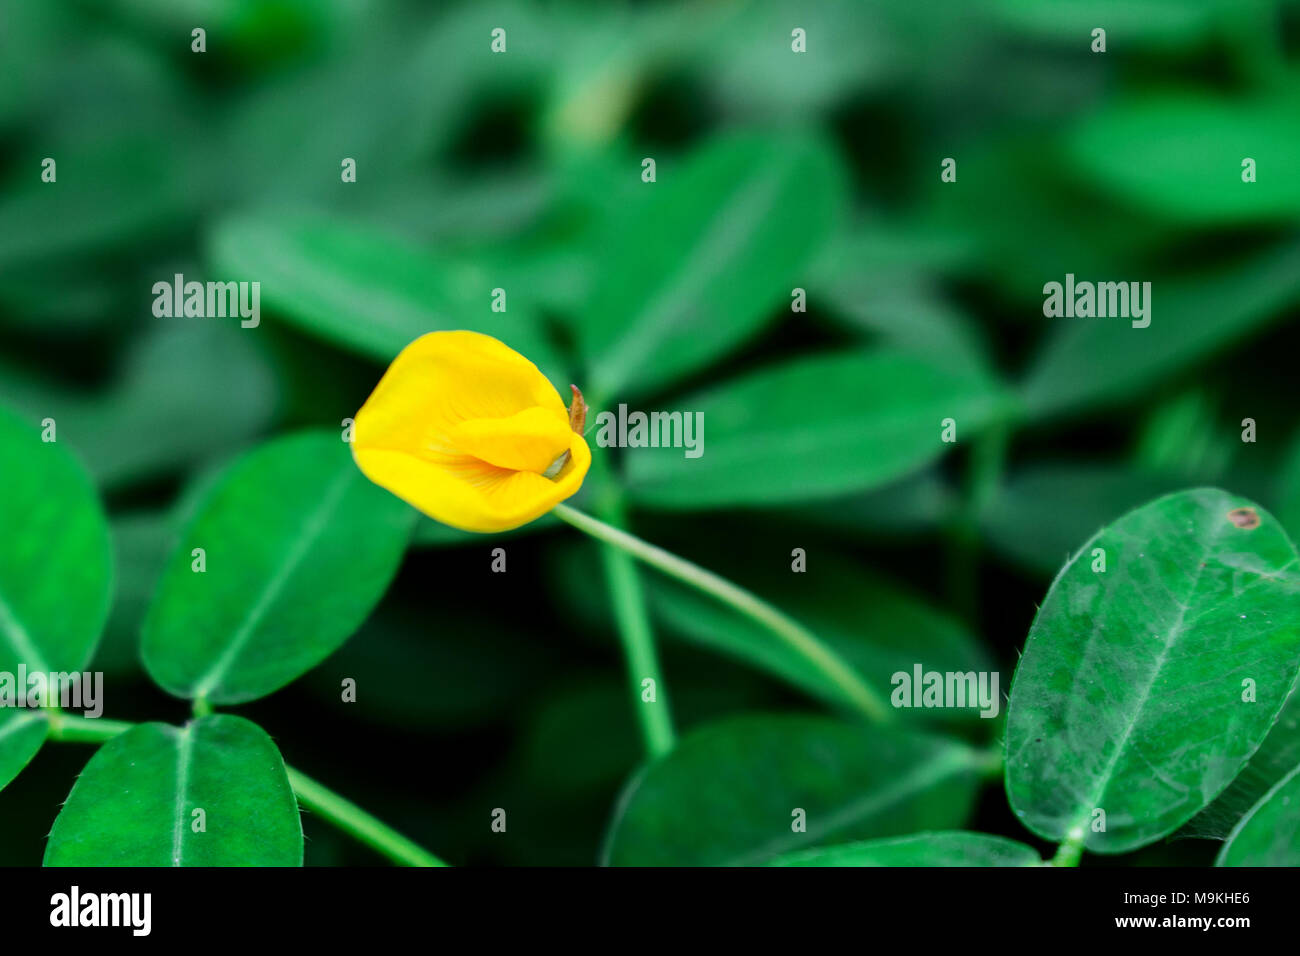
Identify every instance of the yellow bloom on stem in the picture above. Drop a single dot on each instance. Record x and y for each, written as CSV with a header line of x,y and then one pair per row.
x,y
471,433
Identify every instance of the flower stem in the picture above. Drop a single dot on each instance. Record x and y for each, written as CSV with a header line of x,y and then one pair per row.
x,y
344,814
798,637
983,481
628,595
633,617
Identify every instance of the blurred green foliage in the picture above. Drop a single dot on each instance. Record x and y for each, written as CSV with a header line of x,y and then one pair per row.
x,y
522,171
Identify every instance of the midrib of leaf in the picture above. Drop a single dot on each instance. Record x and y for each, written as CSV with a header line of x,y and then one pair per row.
x,y
761,446
184,754
18,637
730,227
1175,631
948,763
310,531
360,301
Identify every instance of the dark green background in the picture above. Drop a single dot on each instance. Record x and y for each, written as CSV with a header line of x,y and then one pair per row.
x,y
480,690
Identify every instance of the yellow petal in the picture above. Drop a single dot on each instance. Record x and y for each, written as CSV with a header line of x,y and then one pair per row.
x,y
530,440
463,428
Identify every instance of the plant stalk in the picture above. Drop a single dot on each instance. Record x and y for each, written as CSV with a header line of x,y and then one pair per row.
x,y
1069,852
351,819
627,593
798,637
983,479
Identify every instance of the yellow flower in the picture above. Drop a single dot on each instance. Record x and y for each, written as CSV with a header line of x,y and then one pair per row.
x,y
471,433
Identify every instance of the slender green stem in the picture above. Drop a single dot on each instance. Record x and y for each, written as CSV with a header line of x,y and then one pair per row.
x,y
350,818
988,459
983,478
798,637
84,730
627,593
990,763
344,814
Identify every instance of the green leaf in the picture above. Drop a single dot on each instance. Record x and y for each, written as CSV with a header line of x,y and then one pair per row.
x,y
44,297
22,732
728,793
31,38
1277,756
917,502
1182,434
1269,835
813,428
372,103
110,192
1149,23
581,738
369,291
1180,155
135,803
709,253
174,387
1129,696
1101,361
254,34
906,311
1010,225
299,547
873,286
143,541
747,62
489,209
954,848
56,556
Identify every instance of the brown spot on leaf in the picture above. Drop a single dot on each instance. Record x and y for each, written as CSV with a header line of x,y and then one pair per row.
x,y
1246,518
